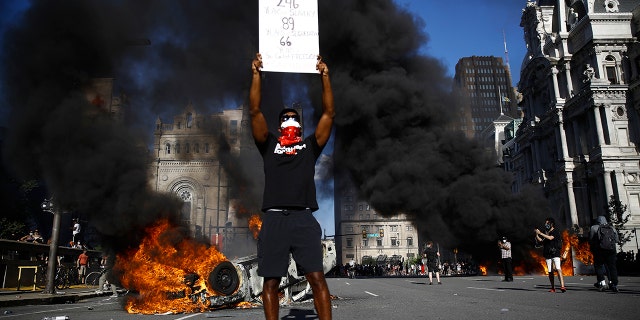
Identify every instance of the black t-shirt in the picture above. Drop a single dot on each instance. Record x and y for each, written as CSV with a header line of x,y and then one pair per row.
x,y
289,173
551,248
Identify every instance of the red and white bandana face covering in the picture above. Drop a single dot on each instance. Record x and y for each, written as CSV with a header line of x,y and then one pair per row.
x,y
290,132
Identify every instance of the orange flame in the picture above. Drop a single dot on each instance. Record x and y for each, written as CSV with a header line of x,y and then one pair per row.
x,y
157,269
566,257
483,270
255,224
582,250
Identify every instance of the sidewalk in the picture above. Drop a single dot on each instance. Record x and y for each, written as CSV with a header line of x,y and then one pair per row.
x,y
9,298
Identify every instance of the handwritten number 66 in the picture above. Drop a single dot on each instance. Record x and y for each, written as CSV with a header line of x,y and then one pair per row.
x,y
285,42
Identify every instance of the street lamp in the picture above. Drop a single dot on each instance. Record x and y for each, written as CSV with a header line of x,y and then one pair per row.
x,y
48,206
635,233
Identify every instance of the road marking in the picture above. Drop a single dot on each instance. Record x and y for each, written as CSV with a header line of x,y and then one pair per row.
x,y
55,310
189,316
485,289
348,283
367,292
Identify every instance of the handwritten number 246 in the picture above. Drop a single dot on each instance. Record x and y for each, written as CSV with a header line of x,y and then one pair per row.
x,y
291,3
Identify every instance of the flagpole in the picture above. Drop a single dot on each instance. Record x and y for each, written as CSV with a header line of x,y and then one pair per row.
x,y
500,98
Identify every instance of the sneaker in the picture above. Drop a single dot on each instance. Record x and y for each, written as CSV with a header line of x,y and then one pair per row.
x,y
563,289
614,289
439,282
99,291
115,295
552,290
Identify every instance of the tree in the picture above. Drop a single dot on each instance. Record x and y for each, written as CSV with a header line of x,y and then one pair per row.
x,y
617,216
10,229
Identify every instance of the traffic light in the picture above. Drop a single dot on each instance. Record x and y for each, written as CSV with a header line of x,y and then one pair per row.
x,y
364,234
381,233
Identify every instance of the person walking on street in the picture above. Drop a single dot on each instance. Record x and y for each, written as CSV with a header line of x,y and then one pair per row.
x,y
289,198
505,253
106,265
603,238
551,247
433,256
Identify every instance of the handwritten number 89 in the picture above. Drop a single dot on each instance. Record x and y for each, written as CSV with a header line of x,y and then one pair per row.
x,y
287,23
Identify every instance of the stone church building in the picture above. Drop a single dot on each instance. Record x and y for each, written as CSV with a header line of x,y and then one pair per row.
x,y
190,156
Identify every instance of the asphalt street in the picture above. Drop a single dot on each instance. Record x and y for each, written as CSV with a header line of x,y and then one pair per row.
x,y
482,297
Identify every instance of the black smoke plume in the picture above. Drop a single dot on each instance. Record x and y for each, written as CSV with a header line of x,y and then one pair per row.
x,y
392,106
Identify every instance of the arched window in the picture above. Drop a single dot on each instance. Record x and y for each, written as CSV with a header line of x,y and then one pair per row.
x,y
196,148
187,197
177,147
189,119
167,148
187,148
611,69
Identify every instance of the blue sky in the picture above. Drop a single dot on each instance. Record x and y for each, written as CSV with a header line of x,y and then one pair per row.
x,y
458,29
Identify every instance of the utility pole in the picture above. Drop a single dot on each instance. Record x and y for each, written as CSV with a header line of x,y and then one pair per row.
x,y
48,206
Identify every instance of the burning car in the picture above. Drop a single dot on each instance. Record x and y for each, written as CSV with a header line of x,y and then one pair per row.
x,y
238,280
169,272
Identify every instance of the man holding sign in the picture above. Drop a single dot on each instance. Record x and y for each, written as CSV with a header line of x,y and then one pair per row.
x,y
289,39
288,224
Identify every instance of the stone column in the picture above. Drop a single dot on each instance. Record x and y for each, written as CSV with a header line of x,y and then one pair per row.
x,y
599,132
563,135
571,197
608,123
608,185
567,70
556,89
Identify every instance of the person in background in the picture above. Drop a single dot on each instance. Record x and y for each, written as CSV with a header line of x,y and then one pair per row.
x,y
289,198
551,246
28,238
37,237
505,254
76,230
83,265
604,259
433,256
106,265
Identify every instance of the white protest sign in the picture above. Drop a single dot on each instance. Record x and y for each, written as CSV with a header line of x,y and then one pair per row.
x,y
289,39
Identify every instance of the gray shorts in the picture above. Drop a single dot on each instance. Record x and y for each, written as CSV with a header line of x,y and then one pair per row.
x,y
292,231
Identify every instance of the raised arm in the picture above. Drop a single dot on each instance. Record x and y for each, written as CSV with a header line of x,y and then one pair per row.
x,y
323,131
258,122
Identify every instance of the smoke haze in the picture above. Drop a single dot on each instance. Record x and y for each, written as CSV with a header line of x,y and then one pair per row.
x,y
392,106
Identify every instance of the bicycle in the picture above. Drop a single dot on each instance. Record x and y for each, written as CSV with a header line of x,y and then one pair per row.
x,y
65,277
92,280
